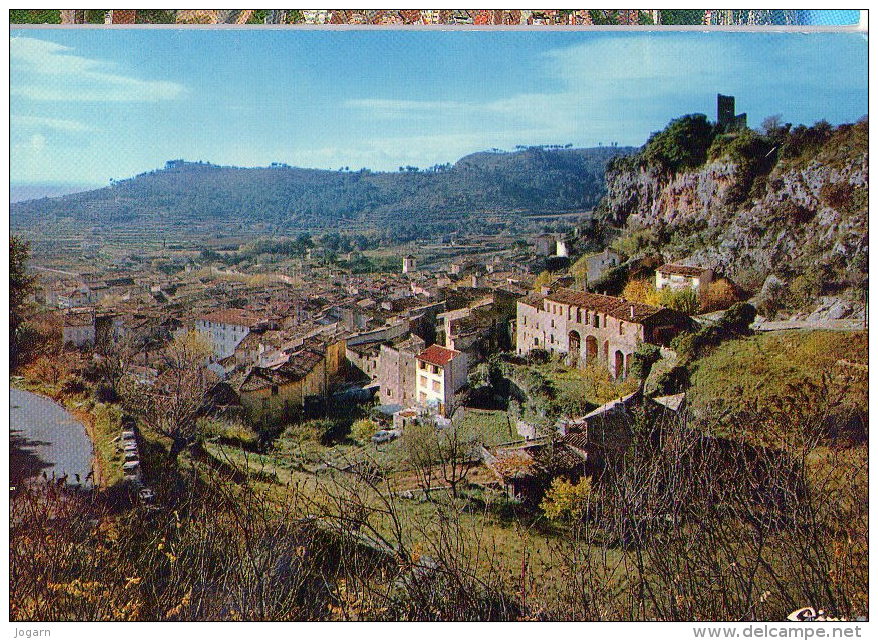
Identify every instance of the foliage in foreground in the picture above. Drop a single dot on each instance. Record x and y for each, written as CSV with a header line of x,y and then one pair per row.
x,y
678,526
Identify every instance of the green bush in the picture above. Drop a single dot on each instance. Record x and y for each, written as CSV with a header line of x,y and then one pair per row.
x,y
682,300
682,145
363,429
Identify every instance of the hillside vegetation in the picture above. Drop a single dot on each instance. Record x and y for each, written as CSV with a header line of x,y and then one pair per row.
x,y
444,198
756,376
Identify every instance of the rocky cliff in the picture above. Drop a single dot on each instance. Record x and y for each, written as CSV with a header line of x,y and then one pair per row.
x,y
795,213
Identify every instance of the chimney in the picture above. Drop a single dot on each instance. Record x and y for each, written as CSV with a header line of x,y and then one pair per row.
x,y
632,312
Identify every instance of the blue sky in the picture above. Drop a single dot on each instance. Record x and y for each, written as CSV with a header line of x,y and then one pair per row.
x,y
88,105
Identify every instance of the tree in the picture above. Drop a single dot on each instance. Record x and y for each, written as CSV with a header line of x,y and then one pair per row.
x,y
643,359
180,395
418,443
111,364
455,449
545,278
21,285
737,320
683,144
566,500
642,291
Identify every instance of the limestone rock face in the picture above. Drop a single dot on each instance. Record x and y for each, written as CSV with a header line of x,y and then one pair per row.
x,y
794,219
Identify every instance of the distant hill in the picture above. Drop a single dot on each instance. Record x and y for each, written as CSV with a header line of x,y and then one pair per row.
x,y
534,180
20,193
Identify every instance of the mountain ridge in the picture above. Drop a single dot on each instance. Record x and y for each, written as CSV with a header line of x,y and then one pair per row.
x,y
538,180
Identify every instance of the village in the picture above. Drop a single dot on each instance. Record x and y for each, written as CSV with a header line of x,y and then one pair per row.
x,y
405,347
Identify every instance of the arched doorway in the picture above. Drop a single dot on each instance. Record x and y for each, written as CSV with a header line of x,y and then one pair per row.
x,y
591,348
573,346
619,364
606,351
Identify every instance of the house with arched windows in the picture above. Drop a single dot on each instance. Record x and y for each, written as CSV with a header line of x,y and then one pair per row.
x,y
589,327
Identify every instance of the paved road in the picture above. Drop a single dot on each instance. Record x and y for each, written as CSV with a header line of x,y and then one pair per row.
x,y
842,325
44,437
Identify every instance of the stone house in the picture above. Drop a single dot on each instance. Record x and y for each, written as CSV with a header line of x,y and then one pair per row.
x,y
597,264
226,328
76,297
441,373
268,392
683,277
592,327
544,245
397,370
79,327
363,357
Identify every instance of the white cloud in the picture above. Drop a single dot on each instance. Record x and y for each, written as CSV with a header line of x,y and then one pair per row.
x,y
38,142
608,89
50,72
41,123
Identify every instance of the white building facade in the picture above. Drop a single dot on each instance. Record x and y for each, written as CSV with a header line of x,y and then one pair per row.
x,y
225,329
440,374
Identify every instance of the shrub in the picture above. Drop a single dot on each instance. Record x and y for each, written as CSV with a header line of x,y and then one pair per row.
x,y
363,429
74,385
805,288
105,393
642,291
565,500
682,300
538,356
720,294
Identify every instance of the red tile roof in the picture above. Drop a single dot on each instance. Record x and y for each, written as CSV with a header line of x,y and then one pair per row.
x,y
609,305
240,317
438,355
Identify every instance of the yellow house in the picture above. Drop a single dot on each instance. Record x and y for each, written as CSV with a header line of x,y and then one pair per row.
x,y
267,391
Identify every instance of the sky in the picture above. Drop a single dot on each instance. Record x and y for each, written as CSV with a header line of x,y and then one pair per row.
x,y
88,105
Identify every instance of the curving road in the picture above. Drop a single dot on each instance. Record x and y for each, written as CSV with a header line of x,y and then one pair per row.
x,y
46,438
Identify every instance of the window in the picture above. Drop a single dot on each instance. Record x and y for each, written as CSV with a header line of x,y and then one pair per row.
x,y
596,322
536,341
553,323
578,315
422,397
422,365
435,369
423,381
620,328
436,386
